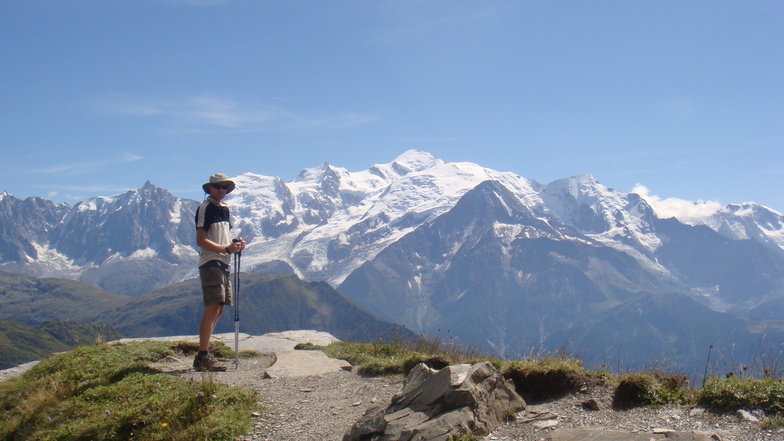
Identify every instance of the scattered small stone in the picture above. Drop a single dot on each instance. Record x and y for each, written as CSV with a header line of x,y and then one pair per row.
x,y
591,404
545,424
745,415
661,431
597,404
538,416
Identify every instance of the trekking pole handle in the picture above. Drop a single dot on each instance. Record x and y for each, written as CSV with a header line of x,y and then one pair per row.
x,y
235,241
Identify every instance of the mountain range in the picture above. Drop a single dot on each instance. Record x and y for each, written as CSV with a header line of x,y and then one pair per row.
x,y
488,258
40,316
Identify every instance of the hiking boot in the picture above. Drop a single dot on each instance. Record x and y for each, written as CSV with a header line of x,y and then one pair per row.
x,y
207,363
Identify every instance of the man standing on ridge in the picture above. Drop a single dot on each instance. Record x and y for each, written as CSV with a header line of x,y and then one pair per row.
x,y
215,248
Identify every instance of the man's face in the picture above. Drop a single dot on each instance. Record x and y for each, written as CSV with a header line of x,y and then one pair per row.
x,y
218,191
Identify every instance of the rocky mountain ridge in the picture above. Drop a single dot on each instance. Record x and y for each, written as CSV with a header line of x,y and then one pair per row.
x,y
327,212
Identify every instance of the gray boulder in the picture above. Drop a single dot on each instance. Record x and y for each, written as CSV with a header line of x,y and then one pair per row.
x,y
433,405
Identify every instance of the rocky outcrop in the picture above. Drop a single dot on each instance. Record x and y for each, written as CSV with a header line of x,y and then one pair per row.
x,y
433,405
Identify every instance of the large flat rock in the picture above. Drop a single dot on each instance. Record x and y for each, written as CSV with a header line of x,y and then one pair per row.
x,y
275,342
304,364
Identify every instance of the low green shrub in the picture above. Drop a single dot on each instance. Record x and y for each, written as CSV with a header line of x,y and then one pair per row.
x,y
371,358
218,348
249,353
774,422
646,389
545,379
545,365
734,393
388,358
463,437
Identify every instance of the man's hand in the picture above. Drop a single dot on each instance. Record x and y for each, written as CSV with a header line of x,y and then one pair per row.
x,y
237,245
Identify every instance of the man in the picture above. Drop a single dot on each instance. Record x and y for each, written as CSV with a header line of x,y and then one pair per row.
x,y
215,248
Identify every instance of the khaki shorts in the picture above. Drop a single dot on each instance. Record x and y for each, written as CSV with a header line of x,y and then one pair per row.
x,y
215,285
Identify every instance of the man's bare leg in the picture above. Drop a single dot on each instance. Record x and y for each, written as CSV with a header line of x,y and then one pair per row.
x,y
209,319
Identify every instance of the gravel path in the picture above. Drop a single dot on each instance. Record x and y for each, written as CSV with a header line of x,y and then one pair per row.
x,y
317,408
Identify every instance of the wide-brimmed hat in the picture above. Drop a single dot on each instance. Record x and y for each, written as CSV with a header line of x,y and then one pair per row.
x,y
219,178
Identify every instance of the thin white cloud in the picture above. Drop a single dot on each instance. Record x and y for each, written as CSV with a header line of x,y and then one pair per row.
x,y
87,166
212,111
78,193
679,208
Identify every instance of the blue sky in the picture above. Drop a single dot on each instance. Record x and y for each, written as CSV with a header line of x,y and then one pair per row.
x,y
685,98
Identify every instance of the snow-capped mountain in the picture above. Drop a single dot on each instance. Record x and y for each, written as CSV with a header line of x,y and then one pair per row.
x,y
130,243
747,221
328,221
26,224
493,274
619,220
435,245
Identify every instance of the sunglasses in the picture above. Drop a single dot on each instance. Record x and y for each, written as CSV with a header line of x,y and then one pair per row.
x,y
220,186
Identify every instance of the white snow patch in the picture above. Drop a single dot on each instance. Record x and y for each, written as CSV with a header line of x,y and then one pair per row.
x,y
146,253
116,257
174,214
506,232
415,284
180,250
51,263
711,296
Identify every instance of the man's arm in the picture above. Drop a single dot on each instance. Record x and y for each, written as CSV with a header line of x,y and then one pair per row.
x,y
206,244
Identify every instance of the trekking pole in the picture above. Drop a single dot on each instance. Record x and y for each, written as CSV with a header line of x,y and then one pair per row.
x,y
237,258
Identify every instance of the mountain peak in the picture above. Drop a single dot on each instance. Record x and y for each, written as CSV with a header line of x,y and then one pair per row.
x,y
580,179
572,185
316,174
415,160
